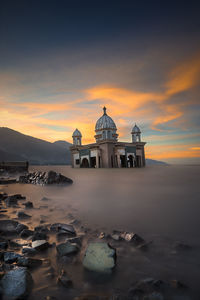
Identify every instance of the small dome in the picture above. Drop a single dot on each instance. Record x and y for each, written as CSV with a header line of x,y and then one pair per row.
x,y
136,129
77,133
105,122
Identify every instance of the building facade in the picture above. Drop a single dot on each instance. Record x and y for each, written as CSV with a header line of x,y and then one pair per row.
x,y
107,152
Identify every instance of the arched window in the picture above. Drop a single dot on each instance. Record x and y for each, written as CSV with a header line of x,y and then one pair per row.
x,y
104,135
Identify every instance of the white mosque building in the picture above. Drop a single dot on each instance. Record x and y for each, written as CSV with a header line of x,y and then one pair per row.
x,y
107,152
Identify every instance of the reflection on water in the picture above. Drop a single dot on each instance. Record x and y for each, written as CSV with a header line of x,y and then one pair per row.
x,y
160,203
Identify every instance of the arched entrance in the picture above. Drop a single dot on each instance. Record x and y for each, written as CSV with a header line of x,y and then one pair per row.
x,y
85,163
131,160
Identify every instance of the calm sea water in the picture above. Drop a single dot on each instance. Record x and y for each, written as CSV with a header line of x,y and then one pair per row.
x,y
160,203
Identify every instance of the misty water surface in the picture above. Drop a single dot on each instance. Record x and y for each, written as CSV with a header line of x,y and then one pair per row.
x,y
160,203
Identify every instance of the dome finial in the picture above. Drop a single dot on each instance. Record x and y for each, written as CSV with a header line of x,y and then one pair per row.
x,y
104,111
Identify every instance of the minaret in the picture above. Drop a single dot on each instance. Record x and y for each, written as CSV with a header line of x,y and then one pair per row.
x,y
136,134
77,136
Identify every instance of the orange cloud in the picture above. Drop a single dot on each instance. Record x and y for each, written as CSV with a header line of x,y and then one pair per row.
x,y
171,151
184,77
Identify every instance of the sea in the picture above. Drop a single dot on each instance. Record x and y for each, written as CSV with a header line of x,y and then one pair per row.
x,y
159,203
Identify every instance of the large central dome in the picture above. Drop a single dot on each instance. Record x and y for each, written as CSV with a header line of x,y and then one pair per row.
x,y
105,128
105,122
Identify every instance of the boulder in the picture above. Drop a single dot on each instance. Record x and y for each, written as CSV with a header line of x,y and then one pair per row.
x,y
99,257
23,215
40,245
3,243
41,228
63,228
8,226
28,262
28,204
50,177
66,248
12,200
39,236
26,233
21,227
11,257
17,283
76,240
29,250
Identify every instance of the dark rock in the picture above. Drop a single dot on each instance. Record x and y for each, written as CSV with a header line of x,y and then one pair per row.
x,y
19,197
67,249
14,245
3,243
76,240
23,215
39,236
62,228
127,236
41,228
50,177
40,245
11,257
133,238
99,257
26,233
17,283
12,200
8,226
21,227
64,280
28,204
28,262
29,250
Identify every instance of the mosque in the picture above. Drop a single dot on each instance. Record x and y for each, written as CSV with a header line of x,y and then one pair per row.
x,y
107,152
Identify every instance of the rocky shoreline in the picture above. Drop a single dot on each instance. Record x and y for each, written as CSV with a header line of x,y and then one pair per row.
x,y
24,249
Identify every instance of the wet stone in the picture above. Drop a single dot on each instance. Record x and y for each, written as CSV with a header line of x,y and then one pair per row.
x,y
66,249
40,245
29,251
41,228
23,215
28,262
99,257
3,243
39,236
11,257
26,233
63,228
76,240
17,283
8,226
28,204
21,227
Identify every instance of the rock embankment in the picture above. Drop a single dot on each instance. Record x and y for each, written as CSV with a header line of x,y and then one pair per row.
x,y
50,177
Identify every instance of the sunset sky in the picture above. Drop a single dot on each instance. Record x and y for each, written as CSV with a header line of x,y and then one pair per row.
x,y
62,61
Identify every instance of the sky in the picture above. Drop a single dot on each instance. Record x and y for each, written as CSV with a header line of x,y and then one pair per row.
x,y
62,61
